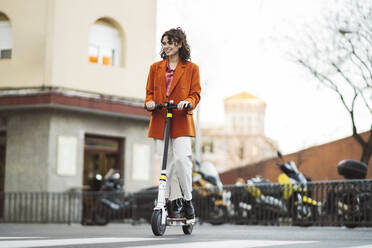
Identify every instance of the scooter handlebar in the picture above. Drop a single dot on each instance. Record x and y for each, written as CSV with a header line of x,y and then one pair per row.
x,y
168,106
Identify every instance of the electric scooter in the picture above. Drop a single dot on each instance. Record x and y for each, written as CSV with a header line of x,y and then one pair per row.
x,y
160,219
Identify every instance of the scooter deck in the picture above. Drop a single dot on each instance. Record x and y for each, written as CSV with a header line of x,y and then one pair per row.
x,y
180,221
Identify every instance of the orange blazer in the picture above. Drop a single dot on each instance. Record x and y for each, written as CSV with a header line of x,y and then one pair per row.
x,y
185,86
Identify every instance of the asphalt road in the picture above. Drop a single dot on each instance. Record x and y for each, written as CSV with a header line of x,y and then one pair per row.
x,y
232,236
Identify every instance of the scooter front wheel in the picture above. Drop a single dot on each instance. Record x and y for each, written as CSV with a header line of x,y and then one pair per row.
x,y
187,229
157,228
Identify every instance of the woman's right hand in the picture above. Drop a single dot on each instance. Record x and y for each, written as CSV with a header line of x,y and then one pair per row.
x,y
150,106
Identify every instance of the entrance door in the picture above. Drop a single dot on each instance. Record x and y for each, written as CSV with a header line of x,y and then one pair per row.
x,y
2,171
101,154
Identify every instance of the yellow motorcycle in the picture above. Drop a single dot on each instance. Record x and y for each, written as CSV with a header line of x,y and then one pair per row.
x,y
258,202
212,203
295,190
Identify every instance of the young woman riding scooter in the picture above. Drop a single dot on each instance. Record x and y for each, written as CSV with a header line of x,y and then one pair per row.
x,y
175,78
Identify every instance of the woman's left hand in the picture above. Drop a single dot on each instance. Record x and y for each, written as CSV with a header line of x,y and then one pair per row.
x,y
184,104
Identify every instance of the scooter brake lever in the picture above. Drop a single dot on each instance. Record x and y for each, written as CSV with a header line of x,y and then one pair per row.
x,y
188,106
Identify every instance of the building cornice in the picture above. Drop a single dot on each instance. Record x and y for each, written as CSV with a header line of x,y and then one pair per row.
x,y
66,99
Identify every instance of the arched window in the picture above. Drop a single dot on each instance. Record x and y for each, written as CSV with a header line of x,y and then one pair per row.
x,y
105,43
5,37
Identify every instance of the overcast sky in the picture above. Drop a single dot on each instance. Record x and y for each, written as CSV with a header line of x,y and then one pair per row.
x,y
237,44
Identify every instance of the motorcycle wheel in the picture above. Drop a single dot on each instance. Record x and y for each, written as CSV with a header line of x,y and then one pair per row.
x,y
101,216
349,220
305,217
157,228
187,229
350,215
217,215
351,225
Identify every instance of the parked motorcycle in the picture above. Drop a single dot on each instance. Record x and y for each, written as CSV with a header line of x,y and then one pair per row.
x,y
258,202
212,202
262,202
110,203
295,191
350,202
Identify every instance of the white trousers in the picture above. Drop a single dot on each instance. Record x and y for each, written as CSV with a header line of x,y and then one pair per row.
x,y
179,167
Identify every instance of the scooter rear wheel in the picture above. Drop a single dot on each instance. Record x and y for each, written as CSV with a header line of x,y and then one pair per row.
x,y
157,228
187,229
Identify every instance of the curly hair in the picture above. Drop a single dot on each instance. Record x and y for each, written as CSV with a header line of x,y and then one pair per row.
x,y
178,36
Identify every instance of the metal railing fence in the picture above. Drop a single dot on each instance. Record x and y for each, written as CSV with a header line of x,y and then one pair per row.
x,y
39,207
328,203
63,207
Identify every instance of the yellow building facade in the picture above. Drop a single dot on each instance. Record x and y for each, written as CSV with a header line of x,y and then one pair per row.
x,y
72,84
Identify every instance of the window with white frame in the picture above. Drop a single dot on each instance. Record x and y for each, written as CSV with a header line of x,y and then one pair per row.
x,y
5,37
105,43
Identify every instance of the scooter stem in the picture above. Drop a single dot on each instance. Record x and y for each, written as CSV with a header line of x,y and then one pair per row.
x,y
163,174
168,122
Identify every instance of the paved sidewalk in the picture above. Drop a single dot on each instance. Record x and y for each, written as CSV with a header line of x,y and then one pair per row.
x,y
232,236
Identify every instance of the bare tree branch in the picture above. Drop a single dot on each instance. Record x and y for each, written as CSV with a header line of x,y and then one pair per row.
x,y
339,56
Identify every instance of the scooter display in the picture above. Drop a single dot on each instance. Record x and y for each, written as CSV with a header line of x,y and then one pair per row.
x,y
160,219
